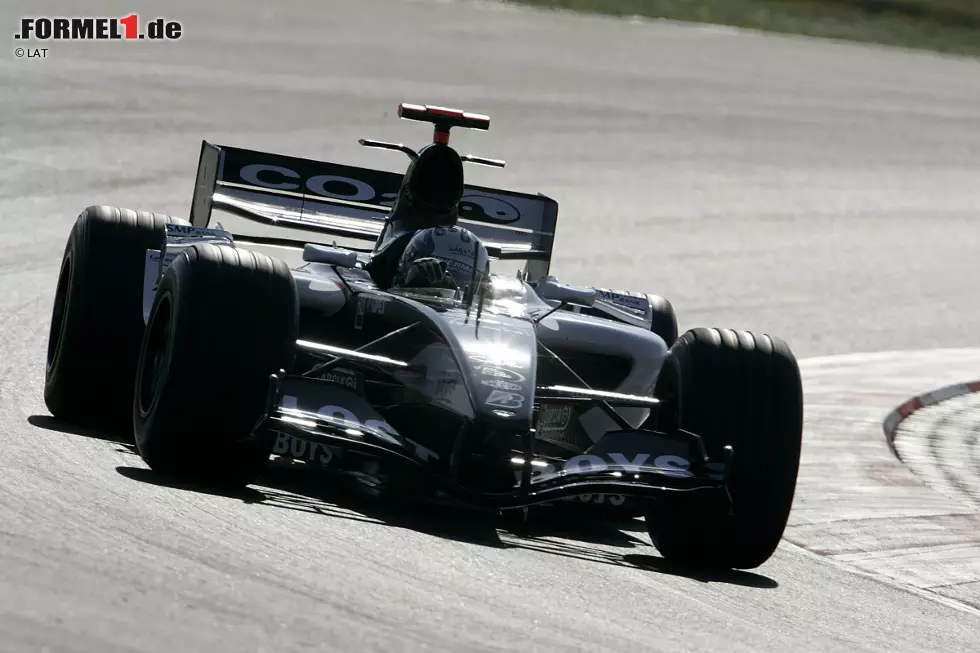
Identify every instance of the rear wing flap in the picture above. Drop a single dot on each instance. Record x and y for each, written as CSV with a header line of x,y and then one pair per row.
x,y
351,202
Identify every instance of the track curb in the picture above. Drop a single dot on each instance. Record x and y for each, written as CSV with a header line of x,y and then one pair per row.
x,y
897,416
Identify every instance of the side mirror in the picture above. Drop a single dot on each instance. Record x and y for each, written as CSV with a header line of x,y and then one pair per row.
x,y
549,288
314,253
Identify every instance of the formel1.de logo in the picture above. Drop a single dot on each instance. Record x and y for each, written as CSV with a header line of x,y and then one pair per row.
x,y
90,28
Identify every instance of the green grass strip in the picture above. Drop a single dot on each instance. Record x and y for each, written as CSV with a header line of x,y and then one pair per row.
x,y
951,26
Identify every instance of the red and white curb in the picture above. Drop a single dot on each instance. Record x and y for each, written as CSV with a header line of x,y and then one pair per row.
x,y
895,418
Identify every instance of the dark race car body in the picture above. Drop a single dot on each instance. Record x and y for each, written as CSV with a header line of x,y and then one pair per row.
x,y
514,391
475,397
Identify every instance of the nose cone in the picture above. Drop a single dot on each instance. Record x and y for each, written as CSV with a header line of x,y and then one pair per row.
x,y
498,356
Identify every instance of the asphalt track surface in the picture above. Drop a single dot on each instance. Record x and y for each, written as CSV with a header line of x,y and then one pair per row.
x,y
824,192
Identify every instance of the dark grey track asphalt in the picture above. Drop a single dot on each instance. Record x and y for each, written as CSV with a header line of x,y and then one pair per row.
x,y
824,192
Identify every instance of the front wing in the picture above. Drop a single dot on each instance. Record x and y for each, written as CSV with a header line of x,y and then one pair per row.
x,y
633,463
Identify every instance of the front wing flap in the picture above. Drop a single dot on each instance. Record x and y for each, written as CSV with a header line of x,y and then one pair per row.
x,y
635,462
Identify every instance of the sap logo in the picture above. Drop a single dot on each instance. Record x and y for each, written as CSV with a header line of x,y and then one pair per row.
x,y
313,452
342,188
190,231
638,303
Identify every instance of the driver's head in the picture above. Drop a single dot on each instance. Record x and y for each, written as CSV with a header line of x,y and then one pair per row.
x,y
465,256
431,188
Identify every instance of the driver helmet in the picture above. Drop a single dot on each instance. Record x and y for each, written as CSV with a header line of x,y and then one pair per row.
x,y
465,257
430,191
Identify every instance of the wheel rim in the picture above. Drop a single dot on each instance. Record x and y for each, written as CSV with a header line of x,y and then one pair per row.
x,y
56,332
153,368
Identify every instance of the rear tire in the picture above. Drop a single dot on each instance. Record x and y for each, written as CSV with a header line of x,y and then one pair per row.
x,y
222,322
664,322
744,390
97,317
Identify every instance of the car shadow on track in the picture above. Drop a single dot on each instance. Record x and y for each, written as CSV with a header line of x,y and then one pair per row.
x,y
589,540
294,486
50,423
565,531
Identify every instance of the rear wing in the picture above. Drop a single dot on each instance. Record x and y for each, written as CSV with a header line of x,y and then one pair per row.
x,y
351,202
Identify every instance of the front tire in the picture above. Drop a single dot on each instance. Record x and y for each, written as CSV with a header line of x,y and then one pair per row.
x,y
97,317
744,390
223,321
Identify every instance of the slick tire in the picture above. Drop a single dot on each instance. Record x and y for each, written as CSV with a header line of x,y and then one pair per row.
x,y
664,319
744,390
223,321
97,317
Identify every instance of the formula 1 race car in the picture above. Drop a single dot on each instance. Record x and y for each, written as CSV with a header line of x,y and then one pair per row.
x,y
512,391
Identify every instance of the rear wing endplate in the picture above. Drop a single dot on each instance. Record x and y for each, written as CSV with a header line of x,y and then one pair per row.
x,y
350,202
